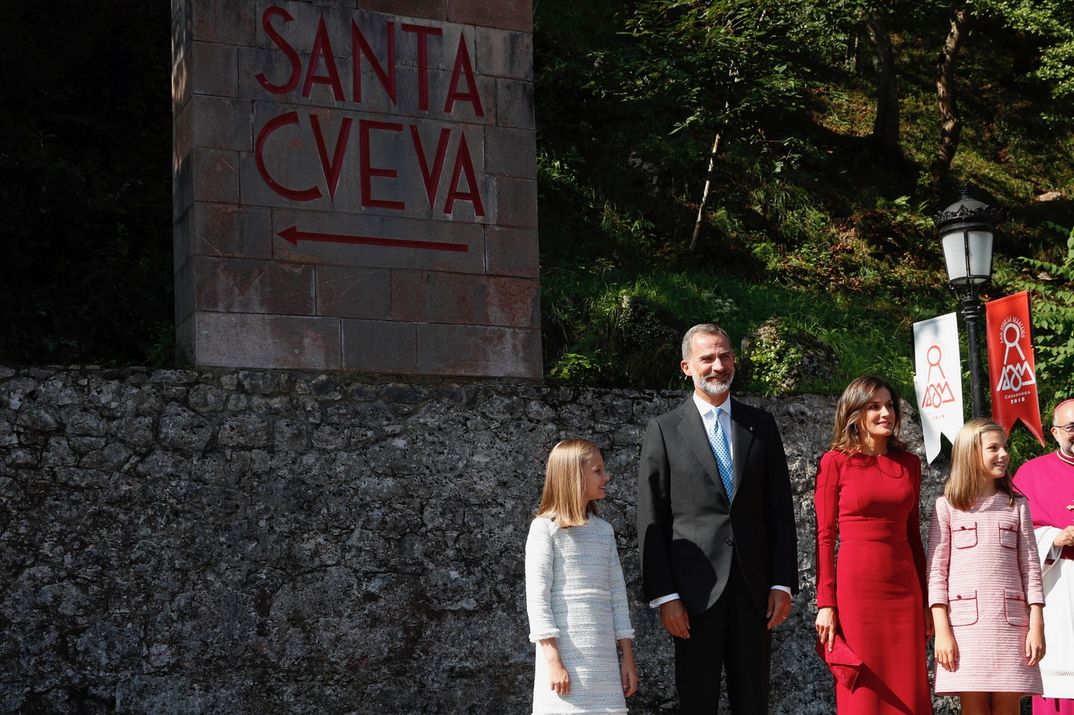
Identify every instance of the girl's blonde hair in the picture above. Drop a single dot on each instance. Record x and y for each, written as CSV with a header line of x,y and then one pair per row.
x,y
561,499
847,436
967,465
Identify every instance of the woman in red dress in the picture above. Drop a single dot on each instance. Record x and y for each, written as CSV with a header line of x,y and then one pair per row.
x,y
866,498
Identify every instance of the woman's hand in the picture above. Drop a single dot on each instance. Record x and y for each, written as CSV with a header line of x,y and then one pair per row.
x,y
930,624
946,650
827,623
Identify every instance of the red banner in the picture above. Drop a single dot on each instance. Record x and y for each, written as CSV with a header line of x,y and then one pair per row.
x,y
1012,369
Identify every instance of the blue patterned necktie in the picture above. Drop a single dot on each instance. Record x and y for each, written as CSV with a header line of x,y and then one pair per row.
x,y
718,441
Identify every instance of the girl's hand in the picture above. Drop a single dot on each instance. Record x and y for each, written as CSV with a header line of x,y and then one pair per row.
x,y
558,678
1034,646
1035,638
946,650
629,675
827,623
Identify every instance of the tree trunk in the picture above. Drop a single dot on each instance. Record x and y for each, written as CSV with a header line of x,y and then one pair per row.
x,y
705,192
886,123
950,124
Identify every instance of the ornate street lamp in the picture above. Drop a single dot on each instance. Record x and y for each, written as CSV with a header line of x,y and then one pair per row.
x,y
966,228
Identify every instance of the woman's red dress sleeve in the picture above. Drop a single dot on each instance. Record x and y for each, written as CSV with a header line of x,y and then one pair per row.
x,y
826,506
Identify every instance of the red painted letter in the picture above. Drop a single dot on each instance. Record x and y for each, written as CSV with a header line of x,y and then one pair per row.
x,y
359,47
463,163
462,65
431,178
292,54
368,171
322,47
423,33
331,168
259,155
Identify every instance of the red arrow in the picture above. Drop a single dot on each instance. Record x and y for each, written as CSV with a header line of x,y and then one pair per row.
x,y
292,235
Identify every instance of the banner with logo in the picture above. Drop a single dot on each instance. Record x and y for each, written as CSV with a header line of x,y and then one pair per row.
x,y
1012,369
938,380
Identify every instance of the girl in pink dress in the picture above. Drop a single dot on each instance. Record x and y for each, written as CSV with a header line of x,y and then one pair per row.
x,y
984,579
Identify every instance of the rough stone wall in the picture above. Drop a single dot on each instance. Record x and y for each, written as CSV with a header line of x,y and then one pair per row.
x,y
199,541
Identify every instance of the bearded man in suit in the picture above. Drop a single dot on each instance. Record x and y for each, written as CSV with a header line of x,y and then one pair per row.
x,y
716,532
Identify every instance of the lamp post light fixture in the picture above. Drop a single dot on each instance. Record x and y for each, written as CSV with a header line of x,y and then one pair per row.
x,y
966,228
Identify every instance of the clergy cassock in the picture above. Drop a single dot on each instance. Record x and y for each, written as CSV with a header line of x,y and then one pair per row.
x,y
1048,483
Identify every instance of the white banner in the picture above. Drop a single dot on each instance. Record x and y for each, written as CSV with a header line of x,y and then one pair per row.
x,y
938,380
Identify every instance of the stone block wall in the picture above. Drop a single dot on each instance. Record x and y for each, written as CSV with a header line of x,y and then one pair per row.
x,y
355,186
208,541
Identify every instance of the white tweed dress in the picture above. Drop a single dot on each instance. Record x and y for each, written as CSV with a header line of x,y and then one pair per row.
x,y
576,594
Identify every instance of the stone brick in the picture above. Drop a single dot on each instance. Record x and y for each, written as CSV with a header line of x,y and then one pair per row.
x,y
516,203
504,54
230,230
349,4
514,103
402,256
215,69
178,6
291,161
182,186
425,297
182,135
182,47
184,293
512,251
224,21
354,292
511,152
479,351
215,175
265,341
249,286
185,329
221,123
379,346
504,14
181,232
426,9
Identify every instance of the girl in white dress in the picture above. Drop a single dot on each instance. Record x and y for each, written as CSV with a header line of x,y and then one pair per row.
x,y
575,594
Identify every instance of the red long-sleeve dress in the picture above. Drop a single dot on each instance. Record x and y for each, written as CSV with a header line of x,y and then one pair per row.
x,y
870,506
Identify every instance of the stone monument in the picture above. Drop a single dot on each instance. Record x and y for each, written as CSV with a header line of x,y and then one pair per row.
x,y
355,186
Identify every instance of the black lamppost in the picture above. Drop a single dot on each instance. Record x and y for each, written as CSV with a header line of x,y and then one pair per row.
x,y
966,229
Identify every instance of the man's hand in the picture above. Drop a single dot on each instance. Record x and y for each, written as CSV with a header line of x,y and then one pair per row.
x,y
779,607
1065,537
675,619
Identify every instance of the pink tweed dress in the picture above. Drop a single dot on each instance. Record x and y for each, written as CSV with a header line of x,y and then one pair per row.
x,y
982,564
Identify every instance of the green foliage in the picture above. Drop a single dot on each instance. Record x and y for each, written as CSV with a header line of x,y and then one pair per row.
x,y
782,358
1051,24
1051,287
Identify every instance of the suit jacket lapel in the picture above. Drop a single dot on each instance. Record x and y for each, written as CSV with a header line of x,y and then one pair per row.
x,y
692,428
742,434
